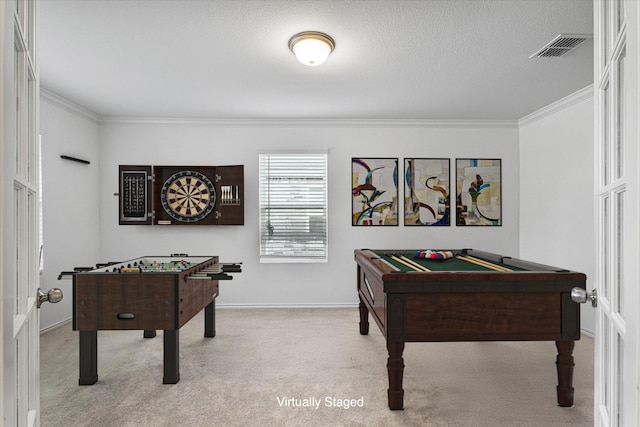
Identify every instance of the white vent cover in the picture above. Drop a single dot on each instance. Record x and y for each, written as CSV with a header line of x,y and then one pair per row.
x,y
561,45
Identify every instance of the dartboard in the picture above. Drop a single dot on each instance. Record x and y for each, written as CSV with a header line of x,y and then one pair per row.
x,y
188,196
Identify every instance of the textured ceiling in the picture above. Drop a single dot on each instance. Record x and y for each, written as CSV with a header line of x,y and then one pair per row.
x,y
218,59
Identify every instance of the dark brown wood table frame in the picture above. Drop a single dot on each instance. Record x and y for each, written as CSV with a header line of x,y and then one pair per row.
x,y
532,305
140,301
171,349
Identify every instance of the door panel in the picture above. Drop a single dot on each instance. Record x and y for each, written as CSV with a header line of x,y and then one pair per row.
x,y
19,236
616,189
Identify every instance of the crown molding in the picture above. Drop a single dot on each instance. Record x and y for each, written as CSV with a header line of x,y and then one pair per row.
x,y
67,105
83,112
557,106
415,123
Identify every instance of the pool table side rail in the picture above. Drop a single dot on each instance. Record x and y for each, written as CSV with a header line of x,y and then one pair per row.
x,y
510,261
548,280
506,260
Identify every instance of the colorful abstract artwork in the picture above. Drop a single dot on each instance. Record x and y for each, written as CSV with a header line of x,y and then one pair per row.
x,y
427,192
479,192
374,194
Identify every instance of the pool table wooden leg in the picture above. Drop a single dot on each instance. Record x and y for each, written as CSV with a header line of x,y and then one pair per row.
x,y
364,318
565,364
395,367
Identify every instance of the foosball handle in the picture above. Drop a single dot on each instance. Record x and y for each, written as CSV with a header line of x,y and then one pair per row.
x,y
220,276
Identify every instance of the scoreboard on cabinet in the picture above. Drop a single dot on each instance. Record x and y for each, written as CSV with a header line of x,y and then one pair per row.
x,y
181,195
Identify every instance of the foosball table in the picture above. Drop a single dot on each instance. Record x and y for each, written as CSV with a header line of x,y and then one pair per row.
x,y
147,293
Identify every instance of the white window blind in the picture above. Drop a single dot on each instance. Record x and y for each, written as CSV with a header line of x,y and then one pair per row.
x,y
293,206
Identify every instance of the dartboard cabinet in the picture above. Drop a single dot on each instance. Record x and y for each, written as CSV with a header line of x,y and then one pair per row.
x,y
181,195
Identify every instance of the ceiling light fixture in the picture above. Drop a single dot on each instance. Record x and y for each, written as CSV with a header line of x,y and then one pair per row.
x,y
311,47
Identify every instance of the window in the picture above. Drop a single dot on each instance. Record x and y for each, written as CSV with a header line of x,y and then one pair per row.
x,y
293,206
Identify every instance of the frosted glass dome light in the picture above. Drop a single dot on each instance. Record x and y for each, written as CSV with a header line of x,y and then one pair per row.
x,y
311,47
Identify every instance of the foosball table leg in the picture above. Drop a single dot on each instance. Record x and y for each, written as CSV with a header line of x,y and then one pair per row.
x,y
88,357
210,320
171,364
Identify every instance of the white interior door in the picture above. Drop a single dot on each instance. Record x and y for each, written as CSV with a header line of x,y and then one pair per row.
x,y
617,272
19,232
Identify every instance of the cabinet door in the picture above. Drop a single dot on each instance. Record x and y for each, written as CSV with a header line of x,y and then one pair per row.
x,y
230,190
135,193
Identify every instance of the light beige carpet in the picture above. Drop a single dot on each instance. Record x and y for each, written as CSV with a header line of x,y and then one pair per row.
x,y
264,362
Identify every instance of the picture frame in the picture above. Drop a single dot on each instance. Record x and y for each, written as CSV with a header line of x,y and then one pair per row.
x,y
427,192
374,191
478,192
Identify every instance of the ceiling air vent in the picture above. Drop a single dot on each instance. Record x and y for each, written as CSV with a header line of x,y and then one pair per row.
x,y
561,45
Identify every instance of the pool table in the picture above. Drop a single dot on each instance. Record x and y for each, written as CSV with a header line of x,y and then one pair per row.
x,y
471,296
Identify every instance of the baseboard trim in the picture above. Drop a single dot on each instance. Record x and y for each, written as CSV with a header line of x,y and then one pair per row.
x,y
230,306
590,334
293,305
62,323
55,326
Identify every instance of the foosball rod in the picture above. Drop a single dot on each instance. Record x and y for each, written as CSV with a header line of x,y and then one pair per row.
x,y
212,268
199,276
210,276
232,267
70,274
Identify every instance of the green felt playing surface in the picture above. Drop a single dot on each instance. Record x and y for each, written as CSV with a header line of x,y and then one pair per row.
x,y
453,264
166,267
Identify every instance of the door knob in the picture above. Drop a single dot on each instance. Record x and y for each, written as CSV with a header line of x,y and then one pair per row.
x,y
54,295
581,296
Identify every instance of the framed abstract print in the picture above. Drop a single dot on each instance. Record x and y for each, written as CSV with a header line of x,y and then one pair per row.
x,y
427,185
479,192
374,191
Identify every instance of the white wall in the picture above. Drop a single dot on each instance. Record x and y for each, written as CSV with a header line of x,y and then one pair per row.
x,y
547,195
70,193
556,189
333,283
